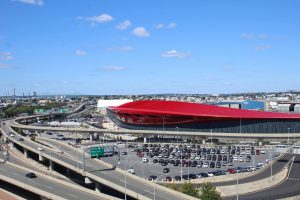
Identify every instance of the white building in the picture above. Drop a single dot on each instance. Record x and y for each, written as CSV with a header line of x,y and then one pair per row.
x,y
103,104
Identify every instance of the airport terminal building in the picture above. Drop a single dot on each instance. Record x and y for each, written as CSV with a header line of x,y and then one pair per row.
x,y
183,116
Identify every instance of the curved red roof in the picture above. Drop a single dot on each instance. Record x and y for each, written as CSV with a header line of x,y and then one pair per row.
x,y
159,107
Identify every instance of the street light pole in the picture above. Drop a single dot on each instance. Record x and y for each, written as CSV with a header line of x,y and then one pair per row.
x,y
181,165
125,174
210,136
177,134
288,135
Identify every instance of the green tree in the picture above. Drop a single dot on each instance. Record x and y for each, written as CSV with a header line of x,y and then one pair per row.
x,y
189,189
209,192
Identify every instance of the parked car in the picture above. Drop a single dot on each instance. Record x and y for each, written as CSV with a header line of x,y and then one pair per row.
x,y
124,153
166,170
177,178
152,177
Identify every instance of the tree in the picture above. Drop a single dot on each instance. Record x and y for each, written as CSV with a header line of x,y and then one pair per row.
x,y
189,189
209,192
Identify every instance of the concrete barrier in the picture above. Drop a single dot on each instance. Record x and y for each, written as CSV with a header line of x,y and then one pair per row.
x,y
157,186
30,188
104,196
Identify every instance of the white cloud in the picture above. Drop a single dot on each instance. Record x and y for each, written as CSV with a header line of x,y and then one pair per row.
x,y
4,66
263,47
80,53
123,25
6,56
172,25
97,19
175,54
113,68
159,26
252,36
123,48
32,2
141,32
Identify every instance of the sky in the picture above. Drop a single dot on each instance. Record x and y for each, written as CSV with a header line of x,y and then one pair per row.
x,y
105,47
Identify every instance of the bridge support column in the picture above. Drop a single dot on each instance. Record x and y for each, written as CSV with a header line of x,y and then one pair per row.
x,y
41,157
98,187
91,138
87,180
25,153
50,165
145,139
203,141
260,143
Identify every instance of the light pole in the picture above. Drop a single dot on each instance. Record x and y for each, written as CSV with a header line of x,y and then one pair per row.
x,y
125,174
237,186
181,165
288,135
210,136
177,134
154,187
270,160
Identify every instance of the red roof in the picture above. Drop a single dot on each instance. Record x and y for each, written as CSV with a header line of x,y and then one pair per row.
x,y
159,107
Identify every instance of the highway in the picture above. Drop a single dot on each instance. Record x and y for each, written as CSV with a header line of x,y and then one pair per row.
x,y
94,169
44,184
277,166
289,187
153,132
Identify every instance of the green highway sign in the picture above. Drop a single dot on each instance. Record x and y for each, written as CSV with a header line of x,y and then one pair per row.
x,y
97,152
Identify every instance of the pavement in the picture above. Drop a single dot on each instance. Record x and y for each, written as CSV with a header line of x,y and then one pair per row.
x,y
276,167
140,187
250,187
44,184
287,189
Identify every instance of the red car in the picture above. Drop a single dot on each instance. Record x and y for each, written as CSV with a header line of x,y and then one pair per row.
x,y
141,155
231,171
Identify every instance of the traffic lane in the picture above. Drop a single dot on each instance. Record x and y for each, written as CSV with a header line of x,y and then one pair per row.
x,y
44,184
289,187
264,174
132,184
102,171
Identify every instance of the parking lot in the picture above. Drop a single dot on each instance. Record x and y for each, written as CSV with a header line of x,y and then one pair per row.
x,y
165,162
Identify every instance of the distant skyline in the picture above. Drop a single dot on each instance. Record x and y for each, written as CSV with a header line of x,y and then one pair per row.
x,y
109,47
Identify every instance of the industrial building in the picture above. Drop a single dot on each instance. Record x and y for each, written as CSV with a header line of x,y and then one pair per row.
x,y
183,116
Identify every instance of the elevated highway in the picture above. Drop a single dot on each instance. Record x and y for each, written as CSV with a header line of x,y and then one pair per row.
x,y
42,185
146,133
136,188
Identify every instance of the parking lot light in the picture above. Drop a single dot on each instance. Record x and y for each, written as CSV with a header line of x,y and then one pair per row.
x,y
125,174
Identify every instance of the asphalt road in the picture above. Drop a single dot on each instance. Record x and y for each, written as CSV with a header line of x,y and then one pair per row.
x,y
100,170
44,184
264,174
290,187
115,176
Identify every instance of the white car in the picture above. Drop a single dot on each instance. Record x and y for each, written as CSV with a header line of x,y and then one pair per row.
x,y
131,171
205,165
210,174
241,159
197,158
235,158
59,151
12,135
40,149
262,151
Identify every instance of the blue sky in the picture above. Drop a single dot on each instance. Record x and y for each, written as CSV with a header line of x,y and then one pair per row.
x,y
147,47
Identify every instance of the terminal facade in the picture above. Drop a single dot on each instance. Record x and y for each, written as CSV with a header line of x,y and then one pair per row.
x,y
183,116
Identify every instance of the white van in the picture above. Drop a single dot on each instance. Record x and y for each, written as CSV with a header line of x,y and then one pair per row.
x,y
145,160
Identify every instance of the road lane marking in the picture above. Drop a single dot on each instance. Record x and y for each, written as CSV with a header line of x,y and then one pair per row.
x,y
74,196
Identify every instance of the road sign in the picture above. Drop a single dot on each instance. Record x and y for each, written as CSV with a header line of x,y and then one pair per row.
x,y
96,152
